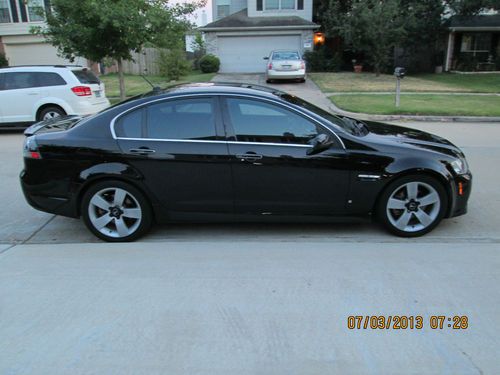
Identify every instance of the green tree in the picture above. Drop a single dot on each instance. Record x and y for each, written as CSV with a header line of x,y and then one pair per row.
x,y
471,7
374,27
97,29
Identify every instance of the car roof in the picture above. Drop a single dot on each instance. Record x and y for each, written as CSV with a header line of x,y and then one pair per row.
x,y
37,68
214,88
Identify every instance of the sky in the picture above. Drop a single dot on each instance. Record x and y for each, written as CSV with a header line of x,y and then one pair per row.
x,y
196,18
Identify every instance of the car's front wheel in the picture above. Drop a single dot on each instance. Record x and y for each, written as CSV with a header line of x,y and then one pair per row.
x,y
412,205
116,211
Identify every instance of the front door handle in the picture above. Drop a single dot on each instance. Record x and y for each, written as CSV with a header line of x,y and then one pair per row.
x,y
249,157
141,151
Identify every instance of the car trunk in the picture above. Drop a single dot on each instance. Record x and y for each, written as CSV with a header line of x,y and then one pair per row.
x,y
53,125
286,65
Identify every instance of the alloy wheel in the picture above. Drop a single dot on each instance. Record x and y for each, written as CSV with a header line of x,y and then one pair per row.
x,y
115,212
50,115
413,206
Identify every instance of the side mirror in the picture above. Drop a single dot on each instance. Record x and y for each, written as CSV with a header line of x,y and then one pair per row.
x,y
320,143
266,58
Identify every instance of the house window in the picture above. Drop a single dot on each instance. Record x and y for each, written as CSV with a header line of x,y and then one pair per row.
x,y
287,4
36,10
279,4
223,8
476,42
272,4
5,16
300,4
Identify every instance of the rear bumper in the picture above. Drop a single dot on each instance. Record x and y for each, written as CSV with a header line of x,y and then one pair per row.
x,y
461,188
41,197
83,108
279,74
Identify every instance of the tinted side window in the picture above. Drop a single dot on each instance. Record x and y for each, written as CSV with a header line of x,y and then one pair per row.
x,y
256,121
2,75
21,80
130,125
49,79
182,119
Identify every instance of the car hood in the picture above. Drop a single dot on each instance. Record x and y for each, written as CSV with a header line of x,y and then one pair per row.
x,y
386,133
53,125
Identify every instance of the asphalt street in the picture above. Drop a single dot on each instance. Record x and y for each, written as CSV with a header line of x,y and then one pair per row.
x,y
251,299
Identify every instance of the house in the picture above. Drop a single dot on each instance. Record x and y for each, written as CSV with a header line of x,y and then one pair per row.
x,y
17,43
473,43
246,31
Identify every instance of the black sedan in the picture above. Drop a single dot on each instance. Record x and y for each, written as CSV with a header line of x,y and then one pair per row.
x,y
226,152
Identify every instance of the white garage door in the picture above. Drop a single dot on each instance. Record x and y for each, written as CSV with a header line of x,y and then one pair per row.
x,y
245,54
33,54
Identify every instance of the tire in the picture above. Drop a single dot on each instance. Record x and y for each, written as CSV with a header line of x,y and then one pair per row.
x,y
401,210
50,113
269,81
113,218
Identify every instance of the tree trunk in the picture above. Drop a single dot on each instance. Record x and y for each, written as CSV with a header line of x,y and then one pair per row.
x,y
121,79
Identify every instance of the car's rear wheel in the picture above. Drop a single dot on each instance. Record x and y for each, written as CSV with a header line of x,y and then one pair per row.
x,y
116,211
49,113
412,205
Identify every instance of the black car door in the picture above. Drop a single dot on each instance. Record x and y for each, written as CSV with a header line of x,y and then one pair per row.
x,y
179,147
272,172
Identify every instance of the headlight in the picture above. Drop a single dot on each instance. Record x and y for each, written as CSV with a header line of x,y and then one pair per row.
x,y
460,166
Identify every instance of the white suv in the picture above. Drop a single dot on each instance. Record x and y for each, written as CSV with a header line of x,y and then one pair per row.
x,y
35,93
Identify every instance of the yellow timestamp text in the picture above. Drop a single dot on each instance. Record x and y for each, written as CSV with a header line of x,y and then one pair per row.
x,y
455,322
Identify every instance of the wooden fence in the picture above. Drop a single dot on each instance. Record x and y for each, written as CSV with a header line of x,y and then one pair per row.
x,y
145,62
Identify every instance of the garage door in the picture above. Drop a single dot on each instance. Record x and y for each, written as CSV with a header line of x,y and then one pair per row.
x,y
33,54
245,54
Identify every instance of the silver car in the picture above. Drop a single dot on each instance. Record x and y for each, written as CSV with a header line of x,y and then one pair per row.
x,y
285,64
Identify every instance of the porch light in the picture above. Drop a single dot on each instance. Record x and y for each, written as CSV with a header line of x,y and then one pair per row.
x,y
319,39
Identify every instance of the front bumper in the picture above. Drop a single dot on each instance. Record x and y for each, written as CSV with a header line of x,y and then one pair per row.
x,y
286,74
461,188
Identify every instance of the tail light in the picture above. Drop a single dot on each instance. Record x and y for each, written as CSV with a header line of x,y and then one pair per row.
x,y
302,65
82,91
270,66
30,149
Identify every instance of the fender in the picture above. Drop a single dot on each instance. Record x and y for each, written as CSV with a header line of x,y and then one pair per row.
x,y
52,100
120,170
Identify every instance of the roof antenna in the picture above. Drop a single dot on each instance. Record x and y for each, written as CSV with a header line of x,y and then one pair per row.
x,y
155,88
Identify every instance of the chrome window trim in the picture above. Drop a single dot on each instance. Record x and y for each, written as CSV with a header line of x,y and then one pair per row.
x,y
223,95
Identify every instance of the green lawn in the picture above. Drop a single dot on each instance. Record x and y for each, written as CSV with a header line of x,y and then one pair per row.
x,y
421,104
135,85
445,82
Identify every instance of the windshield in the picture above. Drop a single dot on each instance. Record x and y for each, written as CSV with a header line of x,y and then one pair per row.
x,y
351,126
286,55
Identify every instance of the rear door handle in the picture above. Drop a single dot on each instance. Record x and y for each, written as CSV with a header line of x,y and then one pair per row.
x,y
141,151
249,157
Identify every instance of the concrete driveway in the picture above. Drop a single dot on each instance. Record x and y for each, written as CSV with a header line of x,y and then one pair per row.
x,y
307,90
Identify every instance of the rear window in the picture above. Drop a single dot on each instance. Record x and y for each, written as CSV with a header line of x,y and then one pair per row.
x,y
286,55
86,76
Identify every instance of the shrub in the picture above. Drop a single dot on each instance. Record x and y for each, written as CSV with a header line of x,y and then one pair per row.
x,y
323,60
209,64
3,61
173,64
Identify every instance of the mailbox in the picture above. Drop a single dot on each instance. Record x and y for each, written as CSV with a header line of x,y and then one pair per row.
x,y
400,72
